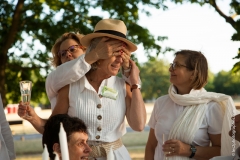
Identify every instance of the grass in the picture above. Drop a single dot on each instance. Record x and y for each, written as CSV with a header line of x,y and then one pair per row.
x,y
32,149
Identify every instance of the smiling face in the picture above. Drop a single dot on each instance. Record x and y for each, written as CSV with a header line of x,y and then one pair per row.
x,y
76,51
181,76
110,66
78,147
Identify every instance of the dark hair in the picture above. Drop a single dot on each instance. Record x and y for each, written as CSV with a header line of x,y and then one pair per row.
x,y
52,128
56,60
197,62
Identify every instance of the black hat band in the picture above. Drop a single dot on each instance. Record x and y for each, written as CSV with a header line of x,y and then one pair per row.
x,y
116,33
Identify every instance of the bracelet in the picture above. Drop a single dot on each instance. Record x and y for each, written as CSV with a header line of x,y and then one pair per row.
x,y
135,86
127,70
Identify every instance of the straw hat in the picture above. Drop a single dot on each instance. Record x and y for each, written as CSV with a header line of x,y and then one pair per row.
x,y
112,28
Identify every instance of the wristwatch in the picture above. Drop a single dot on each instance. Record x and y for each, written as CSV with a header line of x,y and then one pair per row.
x,y
193,149
135,86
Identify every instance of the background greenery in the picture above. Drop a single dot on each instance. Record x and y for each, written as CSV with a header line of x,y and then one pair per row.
x,y
38,23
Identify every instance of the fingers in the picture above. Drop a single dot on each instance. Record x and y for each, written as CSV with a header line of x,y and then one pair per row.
x,y
170,150
24,109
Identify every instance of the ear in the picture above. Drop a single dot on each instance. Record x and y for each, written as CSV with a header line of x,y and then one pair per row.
x,y
57,149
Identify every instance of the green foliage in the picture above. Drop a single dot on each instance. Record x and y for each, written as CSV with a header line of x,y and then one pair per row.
x,y
227,83
41,22
155,79
210,85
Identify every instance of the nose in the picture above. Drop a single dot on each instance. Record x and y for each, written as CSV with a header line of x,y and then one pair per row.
x,y
119,59
88,148
68,54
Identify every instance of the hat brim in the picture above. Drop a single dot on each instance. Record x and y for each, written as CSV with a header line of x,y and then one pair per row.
x,y
85,41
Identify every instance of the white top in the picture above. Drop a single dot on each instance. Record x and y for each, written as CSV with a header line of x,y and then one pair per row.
x,y
7,151
165,113
65,74
95,111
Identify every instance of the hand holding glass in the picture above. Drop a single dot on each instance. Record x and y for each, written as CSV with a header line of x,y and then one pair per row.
x,y
25,89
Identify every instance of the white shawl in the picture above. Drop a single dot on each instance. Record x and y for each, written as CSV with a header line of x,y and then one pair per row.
x,y
186,125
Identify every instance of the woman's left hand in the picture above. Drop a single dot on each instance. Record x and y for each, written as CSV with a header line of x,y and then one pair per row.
x,y
175,147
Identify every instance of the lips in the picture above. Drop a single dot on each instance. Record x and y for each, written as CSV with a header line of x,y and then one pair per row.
x,y
115,66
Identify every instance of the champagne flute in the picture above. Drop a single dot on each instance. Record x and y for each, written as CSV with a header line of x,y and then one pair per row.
x,y
25,89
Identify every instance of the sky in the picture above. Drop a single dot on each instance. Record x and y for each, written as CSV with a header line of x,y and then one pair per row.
x,y
191,26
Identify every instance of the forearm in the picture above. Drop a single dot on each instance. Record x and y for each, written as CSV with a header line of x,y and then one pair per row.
x,y
207,152
149,153
66,73
38,123
203,153
137,111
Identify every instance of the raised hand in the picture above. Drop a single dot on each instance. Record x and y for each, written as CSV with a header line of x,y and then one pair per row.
x,y
134,73
105,48
126,55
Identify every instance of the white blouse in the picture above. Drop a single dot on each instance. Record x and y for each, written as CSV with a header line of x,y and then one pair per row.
x,y
165,113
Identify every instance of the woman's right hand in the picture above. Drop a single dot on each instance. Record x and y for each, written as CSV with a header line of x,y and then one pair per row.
x,y
26,111
105,48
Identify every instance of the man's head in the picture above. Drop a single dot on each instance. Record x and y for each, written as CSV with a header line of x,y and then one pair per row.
x,y
76,132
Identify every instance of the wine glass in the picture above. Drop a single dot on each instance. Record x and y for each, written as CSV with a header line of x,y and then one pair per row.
x,y
25,89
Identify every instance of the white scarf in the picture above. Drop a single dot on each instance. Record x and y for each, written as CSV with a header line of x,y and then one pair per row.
x,y
186,125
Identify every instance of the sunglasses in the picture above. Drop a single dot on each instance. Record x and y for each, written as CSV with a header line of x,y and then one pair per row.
x,y
72,49
174,66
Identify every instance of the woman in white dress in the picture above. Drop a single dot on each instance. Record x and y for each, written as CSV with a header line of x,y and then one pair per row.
x,y
189,117
72,64
102,100
105,99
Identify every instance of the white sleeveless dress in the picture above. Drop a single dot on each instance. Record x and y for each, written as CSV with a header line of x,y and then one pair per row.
x,y
104,117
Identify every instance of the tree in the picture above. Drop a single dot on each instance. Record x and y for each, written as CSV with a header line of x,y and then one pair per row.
x,y
155,79
227,83
235,10
210,86
40,23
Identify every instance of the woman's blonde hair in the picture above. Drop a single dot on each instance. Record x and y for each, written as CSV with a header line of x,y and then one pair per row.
x,y
56,60
197,62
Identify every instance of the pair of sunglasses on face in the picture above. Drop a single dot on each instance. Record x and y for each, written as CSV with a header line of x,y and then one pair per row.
x,y
72,49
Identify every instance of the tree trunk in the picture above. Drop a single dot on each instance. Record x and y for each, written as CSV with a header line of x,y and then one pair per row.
x,y
9,41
